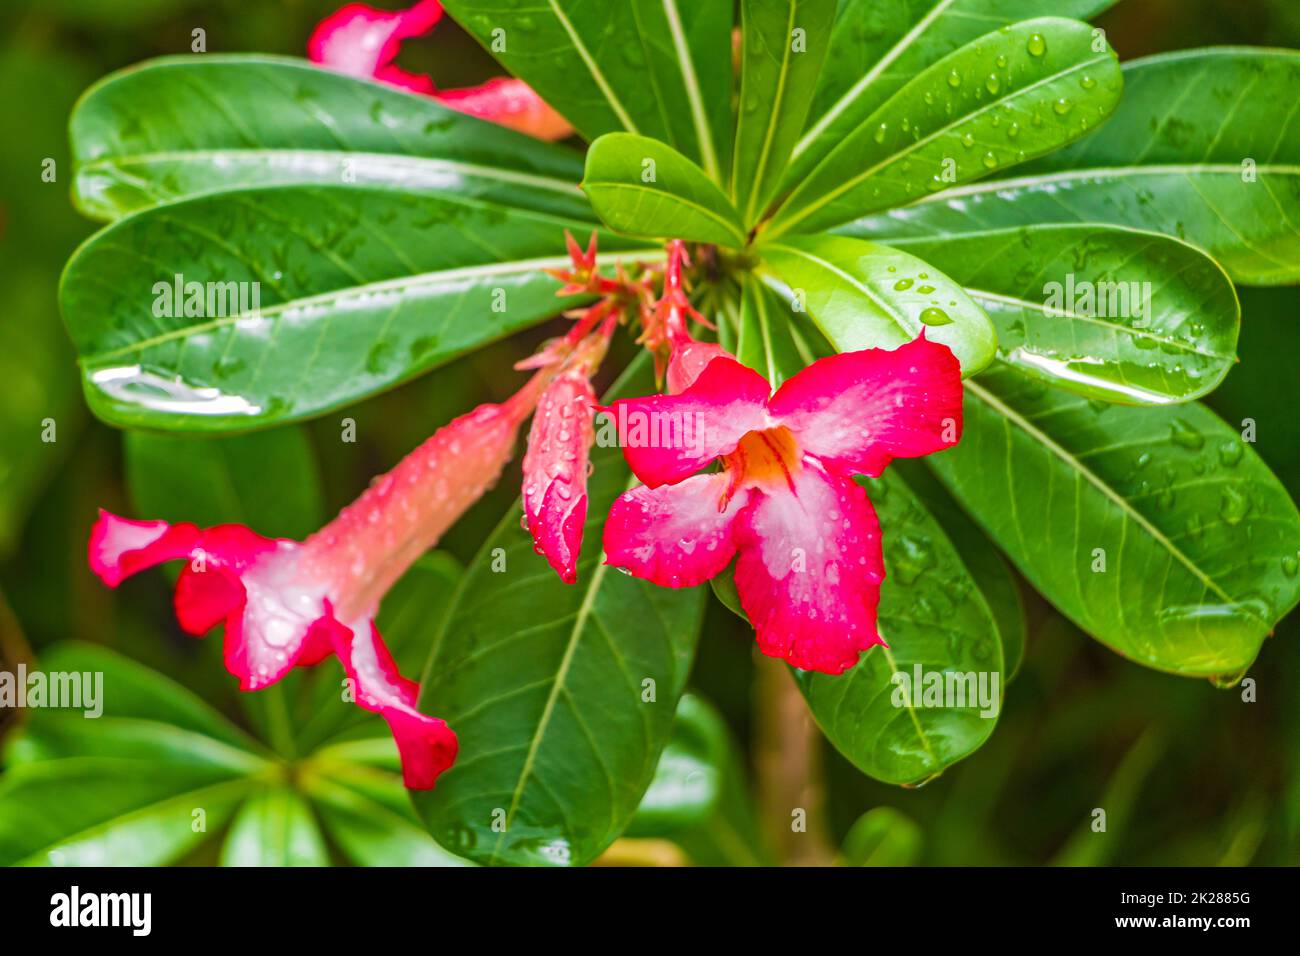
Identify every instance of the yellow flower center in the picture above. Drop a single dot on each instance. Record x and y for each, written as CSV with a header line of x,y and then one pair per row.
x,y
765,458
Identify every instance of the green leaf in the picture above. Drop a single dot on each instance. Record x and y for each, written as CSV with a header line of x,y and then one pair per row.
x,y
177,127
876,47
882,837
274,827
369,817
660,68
212,481
688,61
1115,314
1198,537
1172,159
766,339
1009,96
641,187
121,788
865,295
784,46
934,617
996,581
137,702
543,684
359,289
101,811
688,781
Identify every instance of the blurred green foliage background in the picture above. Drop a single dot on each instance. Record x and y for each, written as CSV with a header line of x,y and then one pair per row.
x,y
1189,774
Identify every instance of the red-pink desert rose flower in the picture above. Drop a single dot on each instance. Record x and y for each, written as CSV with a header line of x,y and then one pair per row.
x,y
362,41
810,564
559,448
286,603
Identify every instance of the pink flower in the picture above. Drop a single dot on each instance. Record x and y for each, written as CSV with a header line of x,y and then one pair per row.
x,y
809,563
362,41
559,447
286,603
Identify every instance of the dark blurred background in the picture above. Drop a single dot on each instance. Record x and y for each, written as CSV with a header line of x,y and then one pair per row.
x,y
1189,774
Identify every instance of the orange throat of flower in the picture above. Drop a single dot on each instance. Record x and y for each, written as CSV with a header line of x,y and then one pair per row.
x,y
764,459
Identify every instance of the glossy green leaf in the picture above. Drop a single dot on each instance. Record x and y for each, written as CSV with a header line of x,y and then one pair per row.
x,y
102,811
1197,539
370,818
877,47
141,708
641,187
784,44
1115,314
994,577
882,837
660,68
182,126
121,788
274,827
1011,95
865,295
767,341
934,617
356,290
687,48
545,685
212,481
688,781
1197,149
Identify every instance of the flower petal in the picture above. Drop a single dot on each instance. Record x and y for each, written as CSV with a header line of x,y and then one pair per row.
x,y
555,471
809,570
511,103
688,360
120,547
858,411
665,438
426,744
254,583
272,631
676,536
362,41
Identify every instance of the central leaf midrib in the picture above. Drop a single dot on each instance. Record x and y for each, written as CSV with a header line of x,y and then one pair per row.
x,y
204,155
774,116
592,67
690,81
864,84
575,636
